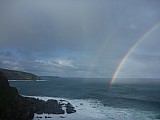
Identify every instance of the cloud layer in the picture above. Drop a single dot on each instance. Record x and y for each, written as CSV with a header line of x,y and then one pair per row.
x,y
79,38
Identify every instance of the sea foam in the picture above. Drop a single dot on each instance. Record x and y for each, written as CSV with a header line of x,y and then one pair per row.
x,y
93,110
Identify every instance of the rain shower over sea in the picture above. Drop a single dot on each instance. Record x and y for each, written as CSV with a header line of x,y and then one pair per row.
x,y
95,99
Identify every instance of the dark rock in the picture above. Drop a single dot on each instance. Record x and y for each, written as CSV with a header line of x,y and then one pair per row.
x,y
47,117
3,79
12,105
38,117
70,109
49,107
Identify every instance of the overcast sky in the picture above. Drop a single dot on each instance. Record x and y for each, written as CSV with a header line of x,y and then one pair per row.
x,y
80,38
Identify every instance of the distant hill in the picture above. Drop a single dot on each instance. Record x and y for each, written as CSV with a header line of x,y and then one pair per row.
x,y
19,75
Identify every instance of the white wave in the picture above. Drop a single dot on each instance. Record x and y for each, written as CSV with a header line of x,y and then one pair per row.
x,y
41,80
94,110
27,80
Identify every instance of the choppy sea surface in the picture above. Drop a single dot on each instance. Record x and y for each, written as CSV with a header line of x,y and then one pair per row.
x,y
95,99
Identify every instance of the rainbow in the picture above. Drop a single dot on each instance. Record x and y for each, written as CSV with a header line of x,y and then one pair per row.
x,y
145,35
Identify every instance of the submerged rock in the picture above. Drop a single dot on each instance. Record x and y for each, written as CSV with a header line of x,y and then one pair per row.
x,y
62,117
158,117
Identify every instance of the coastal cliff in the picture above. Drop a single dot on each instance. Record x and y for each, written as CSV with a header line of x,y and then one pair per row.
x,y
18,75
16,107
12,105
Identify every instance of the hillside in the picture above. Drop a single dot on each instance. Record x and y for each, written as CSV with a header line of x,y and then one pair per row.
x,y
19,75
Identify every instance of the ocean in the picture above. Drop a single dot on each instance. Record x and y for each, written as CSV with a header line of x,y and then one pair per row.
x,y
95,99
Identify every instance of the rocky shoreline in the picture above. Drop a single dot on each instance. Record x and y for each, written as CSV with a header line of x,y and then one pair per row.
x,y
16,107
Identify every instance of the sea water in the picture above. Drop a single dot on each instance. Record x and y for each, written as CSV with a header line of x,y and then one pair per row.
x,y
96,99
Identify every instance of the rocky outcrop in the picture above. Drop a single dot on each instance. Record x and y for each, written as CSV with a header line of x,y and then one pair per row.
x,y
3,79
18,75
12,105
16,107
69,108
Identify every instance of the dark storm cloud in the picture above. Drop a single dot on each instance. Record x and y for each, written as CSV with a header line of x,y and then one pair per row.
x,y
50,24
74,37
61,24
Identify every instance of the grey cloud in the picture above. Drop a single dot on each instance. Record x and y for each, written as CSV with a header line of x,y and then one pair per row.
x,y
46,66
58,25
10,60
95,34
139,69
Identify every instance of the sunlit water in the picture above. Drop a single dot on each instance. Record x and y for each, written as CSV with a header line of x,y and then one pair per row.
x,y
95,99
